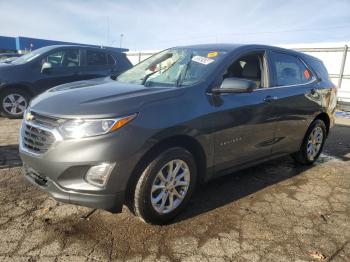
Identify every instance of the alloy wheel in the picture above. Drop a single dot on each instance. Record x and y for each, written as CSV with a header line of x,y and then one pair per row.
x,y
170,186
14,104
314,143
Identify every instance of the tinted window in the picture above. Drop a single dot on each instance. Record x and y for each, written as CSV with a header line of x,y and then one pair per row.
x,y
64,58
111,60
96,58
319,67
289,70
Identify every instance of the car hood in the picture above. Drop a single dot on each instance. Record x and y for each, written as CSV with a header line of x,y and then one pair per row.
x,y
98,98
7,66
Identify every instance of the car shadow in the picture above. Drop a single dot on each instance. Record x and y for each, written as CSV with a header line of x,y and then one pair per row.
x,y
230,188
9,156
338,142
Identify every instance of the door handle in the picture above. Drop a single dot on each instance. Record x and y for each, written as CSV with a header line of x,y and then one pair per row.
x,y
270,98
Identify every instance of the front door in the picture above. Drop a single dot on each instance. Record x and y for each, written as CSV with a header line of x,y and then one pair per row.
x,y
65,68
245,122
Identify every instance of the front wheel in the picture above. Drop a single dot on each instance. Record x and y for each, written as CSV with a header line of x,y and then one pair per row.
x,y
13,102
165,186
313,143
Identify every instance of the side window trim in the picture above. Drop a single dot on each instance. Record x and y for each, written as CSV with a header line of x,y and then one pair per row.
x,y
273,73
110,56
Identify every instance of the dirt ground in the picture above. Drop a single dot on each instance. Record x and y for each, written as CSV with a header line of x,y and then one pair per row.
x,y
277,211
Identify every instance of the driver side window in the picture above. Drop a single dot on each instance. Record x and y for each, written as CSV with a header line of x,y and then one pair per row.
x,y
63,58
248,67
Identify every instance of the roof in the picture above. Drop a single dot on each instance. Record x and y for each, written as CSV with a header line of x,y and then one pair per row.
x,y
232,47
52,47
225,47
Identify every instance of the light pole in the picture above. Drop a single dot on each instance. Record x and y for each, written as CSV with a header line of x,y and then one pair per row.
x,y
121,40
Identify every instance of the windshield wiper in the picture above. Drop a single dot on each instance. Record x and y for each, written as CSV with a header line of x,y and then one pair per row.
x,y
144,79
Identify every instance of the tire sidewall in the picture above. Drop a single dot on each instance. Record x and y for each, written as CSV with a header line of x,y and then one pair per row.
x,y
316,123
146,209
9,91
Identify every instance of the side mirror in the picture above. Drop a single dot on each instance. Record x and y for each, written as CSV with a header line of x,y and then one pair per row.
x,y
45,68
235,85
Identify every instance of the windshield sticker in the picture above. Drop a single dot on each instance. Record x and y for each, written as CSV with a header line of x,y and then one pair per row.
x,y
202,60
212,54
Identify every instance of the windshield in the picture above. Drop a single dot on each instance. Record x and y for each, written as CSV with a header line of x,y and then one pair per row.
x,y
28,57
173,67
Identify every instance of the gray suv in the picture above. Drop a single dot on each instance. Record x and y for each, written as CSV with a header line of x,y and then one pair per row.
x,y
181,117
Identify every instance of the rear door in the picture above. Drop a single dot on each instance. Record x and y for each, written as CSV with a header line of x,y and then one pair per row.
x,y
97,64
297,99
66,67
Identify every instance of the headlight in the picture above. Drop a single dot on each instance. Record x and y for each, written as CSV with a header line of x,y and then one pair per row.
x,y
80,128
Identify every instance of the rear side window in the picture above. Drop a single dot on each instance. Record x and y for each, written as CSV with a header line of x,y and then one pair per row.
x,y
96,58
319,67
289,70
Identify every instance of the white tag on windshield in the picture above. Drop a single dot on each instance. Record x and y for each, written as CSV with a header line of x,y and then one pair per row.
x,y
202,60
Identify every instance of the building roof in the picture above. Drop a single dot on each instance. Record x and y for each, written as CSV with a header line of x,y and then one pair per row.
x,y
27,43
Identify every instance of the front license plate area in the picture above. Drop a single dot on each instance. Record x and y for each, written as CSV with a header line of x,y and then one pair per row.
x,y
39,179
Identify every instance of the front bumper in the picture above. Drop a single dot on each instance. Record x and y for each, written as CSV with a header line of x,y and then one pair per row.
x,y
61,170
109,202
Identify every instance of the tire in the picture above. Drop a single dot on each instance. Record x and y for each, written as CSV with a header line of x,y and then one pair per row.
x,y
314,140
164,187
13,102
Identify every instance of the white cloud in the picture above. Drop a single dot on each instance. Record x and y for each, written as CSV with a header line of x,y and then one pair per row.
x,y
159,24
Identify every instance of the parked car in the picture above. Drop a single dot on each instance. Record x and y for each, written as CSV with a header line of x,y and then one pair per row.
x,y
35,72
181,117
6,56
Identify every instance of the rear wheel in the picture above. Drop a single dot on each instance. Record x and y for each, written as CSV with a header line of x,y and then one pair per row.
x,y
13,102
165,186
313,143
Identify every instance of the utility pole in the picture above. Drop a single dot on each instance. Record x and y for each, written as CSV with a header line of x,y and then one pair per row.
x,y
121,40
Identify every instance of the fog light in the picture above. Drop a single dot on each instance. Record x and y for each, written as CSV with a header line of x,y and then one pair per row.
x,y
98,175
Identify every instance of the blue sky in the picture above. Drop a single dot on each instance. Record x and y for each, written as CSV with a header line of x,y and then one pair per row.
x,y
160,24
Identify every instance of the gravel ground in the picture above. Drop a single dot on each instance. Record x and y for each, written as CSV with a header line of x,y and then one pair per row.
x,y
277,211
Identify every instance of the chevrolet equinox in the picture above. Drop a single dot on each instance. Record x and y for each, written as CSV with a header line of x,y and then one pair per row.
x,y
179,118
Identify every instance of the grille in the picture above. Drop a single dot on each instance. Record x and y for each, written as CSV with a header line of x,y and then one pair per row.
x,y
44,120
36,139
37,136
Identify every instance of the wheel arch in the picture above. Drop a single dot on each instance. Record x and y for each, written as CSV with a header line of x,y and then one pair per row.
x,y
185,141
326,119
27,88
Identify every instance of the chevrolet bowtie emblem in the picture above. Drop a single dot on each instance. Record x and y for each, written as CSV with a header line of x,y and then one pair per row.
x,y
29,116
